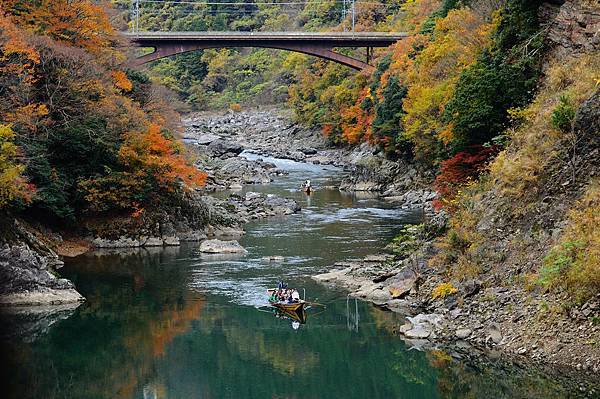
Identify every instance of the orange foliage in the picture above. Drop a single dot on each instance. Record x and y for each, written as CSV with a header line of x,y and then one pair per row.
x,y
327,129
28,115
82,23
17,56
356,121
121,81
153,153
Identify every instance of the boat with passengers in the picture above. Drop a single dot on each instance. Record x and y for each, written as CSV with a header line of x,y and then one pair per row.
x,y
286,299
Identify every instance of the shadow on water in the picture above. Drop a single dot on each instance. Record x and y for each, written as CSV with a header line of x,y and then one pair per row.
x,y
169,323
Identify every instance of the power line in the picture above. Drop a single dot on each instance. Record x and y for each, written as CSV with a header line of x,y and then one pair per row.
x,y
272,3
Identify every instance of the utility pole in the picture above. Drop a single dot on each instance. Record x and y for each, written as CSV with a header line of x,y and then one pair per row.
x,y
344,15
353,15
136,17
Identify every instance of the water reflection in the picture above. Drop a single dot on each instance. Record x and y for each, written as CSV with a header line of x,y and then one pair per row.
x,y
143,333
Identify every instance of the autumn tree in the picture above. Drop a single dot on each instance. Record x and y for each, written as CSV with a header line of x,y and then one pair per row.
x,y
85,128
13,185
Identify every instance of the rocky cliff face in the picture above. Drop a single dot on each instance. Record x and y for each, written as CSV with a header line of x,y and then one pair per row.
x,y
576,27
27,270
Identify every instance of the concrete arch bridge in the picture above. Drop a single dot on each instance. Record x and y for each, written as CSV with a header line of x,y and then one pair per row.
x,y
318,44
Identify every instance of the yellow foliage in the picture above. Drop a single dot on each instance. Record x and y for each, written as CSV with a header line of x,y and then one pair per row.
x,y
443,290
12,184
235,107
416,12
455,45
574,263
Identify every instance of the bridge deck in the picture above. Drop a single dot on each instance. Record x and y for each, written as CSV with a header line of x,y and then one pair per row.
x,y
336,39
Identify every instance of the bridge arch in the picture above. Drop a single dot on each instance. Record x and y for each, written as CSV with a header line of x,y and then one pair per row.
x,y
165,51
320,45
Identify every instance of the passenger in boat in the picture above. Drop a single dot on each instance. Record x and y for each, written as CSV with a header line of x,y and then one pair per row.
x,y
295,296
281,285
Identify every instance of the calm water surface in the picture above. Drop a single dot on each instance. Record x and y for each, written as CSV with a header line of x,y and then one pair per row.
x,y
172,323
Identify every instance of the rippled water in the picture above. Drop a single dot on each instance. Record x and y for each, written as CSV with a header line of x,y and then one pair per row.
x,y
173,323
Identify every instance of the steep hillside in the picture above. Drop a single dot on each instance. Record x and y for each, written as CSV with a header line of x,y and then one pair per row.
x,y
518,164
530,224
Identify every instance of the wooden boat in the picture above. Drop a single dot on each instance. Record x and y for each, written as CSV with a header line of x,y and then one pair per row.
x,y
286,306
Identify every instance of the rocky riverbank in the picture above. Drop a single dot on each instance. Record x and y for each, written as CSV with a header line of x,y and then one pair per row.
x,y
487,314
219,139
28,270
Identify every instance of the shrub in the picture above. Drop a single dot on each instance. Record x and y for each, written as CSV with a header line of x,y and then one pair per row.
x,y
407,240
574,263
458,171
563,115
443,290
235,107
504,77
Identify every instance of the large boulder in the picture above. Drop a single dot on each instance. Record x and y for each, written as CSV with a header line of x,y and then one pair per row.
x,y
224,149
206,139
26,278
222,247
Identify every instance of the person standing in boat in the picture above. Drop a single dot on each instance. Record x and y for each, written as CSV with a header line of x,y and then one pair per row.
x,y
307,186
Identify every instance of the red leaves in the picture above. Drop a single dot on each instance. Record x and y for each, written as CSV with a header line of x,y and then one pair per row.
x,y
459,171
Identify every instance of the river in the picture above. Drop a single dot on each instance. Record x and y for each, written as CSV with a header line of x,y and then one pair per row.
x,y
172,323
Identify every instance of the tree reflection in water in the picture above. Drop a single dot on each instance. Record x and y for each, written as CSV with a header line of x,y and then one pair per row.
x,y
143,333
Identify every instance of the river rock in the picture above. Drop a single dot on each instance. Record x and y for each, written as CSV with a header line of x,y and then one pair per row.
x,y
400,289
224,149
418,331
402,283
432,319
229,232
26,278
463,333
171,241
121,242
240,171
151,242
206,139
424,325
222,247
494,334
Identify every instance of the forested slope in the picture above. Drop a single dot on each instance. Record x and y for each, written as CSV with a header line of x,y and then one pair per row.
x,y
90,135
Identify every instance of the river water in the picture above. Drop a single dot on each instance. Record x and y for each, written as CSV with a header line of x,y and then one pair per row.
x,y
172,323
